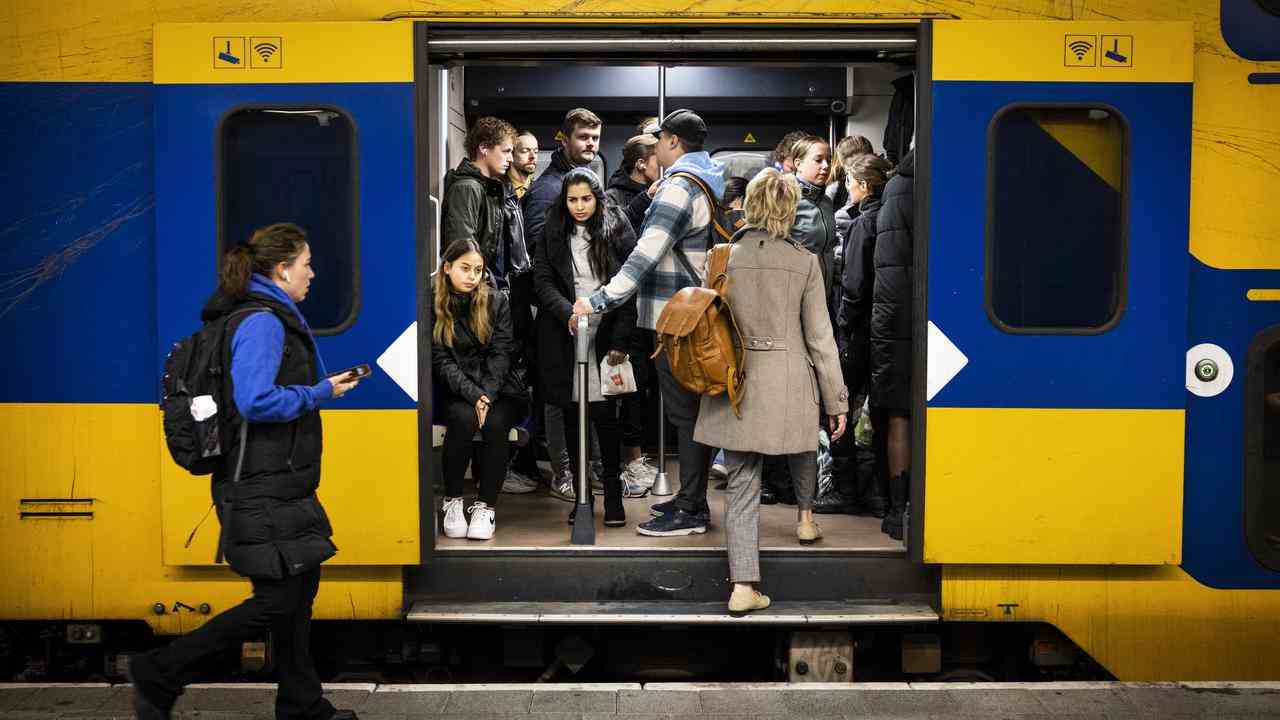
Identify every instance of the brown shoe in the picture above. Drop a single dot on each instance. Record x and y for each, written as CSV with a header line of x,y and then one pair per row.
x,y
808,532
744,601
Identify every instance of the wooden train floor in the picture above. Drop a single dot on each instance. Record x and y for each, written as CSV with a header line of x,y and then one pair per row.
x,y
686,701
538,520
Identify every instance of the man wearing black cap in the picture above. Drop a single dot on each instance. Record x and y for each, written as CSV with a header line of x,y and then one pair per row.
x,y
671,255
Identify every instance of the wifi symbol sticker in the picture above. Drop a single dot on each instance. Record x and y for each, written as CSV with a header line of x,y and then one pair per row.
x,y
1080,51
266,52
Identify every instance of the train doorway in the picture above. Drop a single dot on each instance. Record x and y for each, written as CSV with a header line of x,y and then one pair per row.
x,y
752,88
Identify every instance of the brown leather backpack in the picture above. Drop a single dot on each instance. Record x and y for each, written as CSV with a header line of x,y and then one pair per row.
x,y
697,330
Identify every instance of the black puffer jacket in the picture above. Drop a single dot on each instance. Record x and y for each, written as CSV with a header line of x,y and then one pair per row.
x,y
468,369
553,283
544,193
474,207
629,196
853,318
275,525
891,298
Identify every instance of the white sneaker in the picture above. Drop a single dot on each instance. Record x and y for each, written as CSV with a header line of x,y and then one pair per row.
x,y
718,473
640,472
455,523
517,484
632,488
482,522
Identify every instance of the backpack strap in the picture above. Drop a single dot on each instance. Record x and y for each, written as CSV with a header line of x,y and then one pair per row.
x,y
714,228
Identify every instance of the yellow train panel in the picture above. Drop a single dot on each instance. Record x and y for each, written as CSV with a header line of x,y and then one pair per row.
x,y
108,565
1141,623
1069,486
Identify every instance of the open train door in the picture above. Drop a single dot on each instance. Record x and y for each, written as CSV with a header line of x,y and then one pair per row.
x,y
309,123
1053,183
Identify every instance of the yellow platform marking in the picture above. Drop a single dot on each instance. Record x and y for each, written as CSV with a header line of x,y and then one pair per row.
x,y
1262,295
1038,51
371,497
1141,623
339,52
1053,486
110,567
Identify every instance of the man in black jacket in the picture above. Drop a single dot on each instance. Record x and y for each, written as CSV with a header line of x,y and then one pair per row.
x,y
475,197
581,142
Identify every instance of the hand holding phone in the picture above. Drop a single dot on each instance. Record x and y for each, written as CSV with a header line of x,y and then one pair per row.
x,y
359,372
344,381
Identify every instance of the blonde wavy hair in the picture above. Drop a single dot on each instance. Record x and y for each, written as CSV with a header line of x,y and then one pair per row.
x,y
443,289
770,202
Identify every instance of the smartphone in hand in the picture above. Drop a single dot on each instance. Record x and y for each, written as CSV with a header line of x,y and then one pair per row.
x,y
358,372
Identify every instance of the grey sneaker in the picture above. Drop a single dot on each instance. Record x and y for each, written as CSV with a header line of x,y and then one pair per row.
x,y
632,488
640,472
517,484
562,486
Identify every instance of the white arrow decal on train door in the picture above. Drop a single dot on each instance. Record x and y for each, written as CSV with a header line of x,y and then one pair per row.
x,y
945,361
400,361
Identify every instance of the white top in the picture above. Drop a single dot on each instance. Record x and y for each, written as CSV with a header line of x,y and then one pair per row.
x,y
585,282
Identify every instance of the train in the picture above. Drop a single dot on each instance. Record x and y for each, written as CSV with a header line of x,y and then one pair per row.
x,y
1097,323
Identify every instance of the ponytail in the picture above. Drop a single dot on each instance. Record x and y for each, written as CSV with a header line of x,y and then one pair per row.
x,y
269,246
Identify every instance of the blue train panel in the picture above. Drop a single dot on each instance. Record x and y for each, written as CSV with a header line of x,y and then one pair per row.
x,y
1138,363
187,140
77,260
1214,549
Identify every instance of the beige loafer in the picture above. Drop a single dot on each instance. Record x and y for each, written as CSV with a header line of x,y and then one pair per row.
x,y
744,601
808,532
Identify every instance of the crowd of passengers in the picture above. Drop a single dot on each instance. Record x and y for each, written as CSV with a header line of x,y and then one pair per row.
x,y
820,272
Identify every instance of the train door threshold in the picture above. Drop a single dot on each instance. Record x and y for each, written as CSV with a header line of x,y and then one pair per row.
x,y
905,611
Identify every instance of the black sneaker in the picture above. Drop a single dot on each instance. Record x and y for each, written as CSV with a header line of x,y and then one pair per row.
x,y
141,673
666,508
673,524
835,503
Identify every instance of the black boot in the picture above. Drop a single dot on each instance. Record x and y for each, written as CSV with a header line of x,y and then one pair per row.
x,y
894,521
615,515
835,503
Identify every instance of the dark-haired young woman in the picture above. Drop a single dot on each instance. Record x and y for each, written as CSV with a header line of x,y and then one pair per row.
x,y
584,243
277,533
476,389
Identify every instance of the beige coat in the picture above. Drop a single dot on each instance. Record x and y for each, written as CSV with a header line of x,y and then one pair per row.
x,y
779,303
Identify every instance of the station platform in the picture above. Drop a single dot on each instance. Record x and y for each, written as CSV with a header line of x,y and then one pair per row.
x,y
687,701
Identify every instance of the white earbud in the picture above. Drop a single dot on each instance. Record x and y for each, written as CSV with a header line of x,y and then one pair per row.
x,y
286,276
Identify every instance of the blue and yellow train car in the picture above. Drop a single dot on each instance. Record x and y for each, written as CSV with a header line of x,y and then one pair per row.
x,y
1097,328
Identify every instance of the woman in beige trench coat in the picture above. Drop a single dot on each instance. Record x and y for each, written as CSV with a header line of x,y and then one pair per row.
x,y
776,290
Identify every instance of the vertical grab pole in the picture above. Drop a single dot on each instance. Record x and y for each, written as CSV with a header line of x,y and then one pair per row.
x,y
662,485
584,522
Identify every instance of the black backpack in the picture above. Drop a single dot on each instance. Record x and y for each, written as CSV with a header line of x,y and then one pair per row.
x,y
194,369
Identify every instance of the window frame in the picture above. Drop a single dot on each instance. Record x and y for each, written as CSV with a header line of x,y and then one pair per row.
x,y
1254,440
1126,166
353,193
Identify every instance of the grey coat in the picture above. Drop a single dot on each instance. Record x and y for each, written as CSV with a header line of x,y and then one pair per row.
x,y
793,369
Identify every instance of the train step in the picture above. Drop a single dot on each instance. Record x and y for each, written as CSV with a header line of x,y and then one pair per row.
x,y
674,613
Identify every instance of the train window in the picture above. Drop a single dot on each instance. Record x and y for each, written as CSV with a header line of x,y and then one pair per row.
x,y
296,165
1262,449
1056,207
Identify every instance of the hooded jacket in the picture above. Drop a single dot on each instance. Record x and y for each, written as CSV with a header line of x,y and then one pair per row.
x,y
631,197
276,525
543,194
815,228
891,296
853,318
673,242
474,207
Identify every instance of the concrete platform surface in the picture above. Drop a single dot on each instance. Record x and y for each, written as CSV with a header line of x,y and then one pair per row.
x,y
683,701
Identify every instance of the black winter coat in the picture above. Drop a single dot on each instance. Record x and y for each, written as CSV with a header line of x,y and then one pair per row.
x,y
544,193
553,283
469,368
853,318
901,125
891,297
474,207
275,524
632,197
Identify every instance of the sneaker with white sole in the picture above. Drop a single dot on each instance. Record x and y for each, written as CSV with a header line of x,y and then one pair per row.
x,y
517,483
640,472
631,488
482,522
562,486
455,522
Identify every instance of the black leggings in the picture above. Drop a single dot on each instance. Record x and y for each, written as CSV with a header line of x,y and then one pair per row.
x,y
604,416
488,458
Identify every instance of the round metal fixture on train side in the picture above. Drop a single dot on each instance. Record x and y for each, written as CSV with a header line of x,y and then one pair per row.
x,y
205,608
1207,370
158,608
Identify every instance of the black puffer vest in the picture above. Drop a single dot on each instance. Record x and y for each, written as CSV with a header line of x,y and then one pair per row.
x,y
276,525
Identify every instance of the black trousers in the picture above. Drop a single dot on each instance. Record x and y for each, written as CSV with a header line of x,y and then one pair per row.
x,y
489,458
635,406
281,606
682,410
604,416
